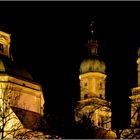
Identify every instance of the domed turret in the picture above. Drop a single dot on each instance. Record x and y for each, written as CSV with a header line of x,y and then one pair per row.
x,y
92,71
92,63
92,87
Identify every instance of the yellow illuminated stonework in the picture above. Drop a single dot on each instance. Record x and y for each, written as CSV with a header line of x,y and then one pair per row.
x,y
92,84
98,110
5,43
135,100
21,99
92,78
93,103
27,93
133,132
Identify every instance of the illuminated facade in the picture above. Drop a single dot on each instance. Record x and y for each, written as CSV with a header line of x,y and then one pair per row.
x,y
23,94
92,77
133,132
135,99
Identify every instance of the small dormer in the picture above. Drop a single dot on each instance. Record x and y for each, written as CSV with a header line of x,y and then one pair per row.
x,y
5,44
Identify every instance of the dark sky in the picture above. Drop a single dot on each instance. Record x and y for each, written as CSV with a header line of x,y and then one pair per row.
x,y
49,39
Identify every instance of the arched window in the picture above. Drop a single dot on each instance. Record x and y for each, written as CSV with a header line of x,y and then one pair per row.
x,y
101,96
101,121
85,96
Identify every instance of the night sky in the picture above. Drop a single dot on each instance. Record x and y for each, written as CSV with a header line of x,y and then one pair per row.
x,y
49,39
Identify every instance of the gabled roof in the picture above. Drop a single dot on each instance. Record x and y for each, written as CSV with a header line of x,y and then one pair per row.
x,y
29,119
8,66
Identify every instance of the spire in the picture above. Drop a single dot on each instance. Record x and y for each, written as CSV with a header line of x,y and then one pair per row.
x,y
92,28
92,42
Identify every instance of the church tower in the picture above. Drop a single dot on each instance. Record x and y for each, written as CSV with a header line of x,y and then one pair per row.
x,y
92,71
92,77
135,99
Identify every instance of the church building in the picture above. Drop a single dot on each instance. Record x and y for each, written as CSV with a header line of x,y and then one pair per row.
x,y
93,103
21,99
135,99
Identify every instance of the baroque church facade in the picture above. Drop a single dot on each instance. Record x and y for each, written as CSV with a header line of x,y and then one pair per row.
x,y
26,101
135,98
21,99
93,103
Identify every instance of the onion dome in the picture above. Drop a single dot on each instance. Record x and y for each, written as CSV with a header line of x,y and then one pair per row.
x,y
92,63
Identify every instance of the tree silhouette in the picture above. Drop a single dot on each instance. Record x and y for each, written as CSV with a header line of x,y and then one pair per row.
x,y
134,130
89,129
12,118
9,122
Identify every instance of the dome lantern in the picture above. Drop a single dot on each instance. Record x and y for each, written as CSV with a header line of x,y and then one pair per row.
x,y
92,63
92,42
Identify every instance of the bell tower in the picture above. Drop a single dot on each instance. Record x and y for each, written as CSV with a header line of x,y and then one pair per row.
x,y
5,44
92,77
92,70
135,98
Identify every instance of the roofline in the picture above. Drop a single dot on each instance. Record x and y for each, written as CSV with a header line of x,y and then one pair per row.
x,y
6,74
6,34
